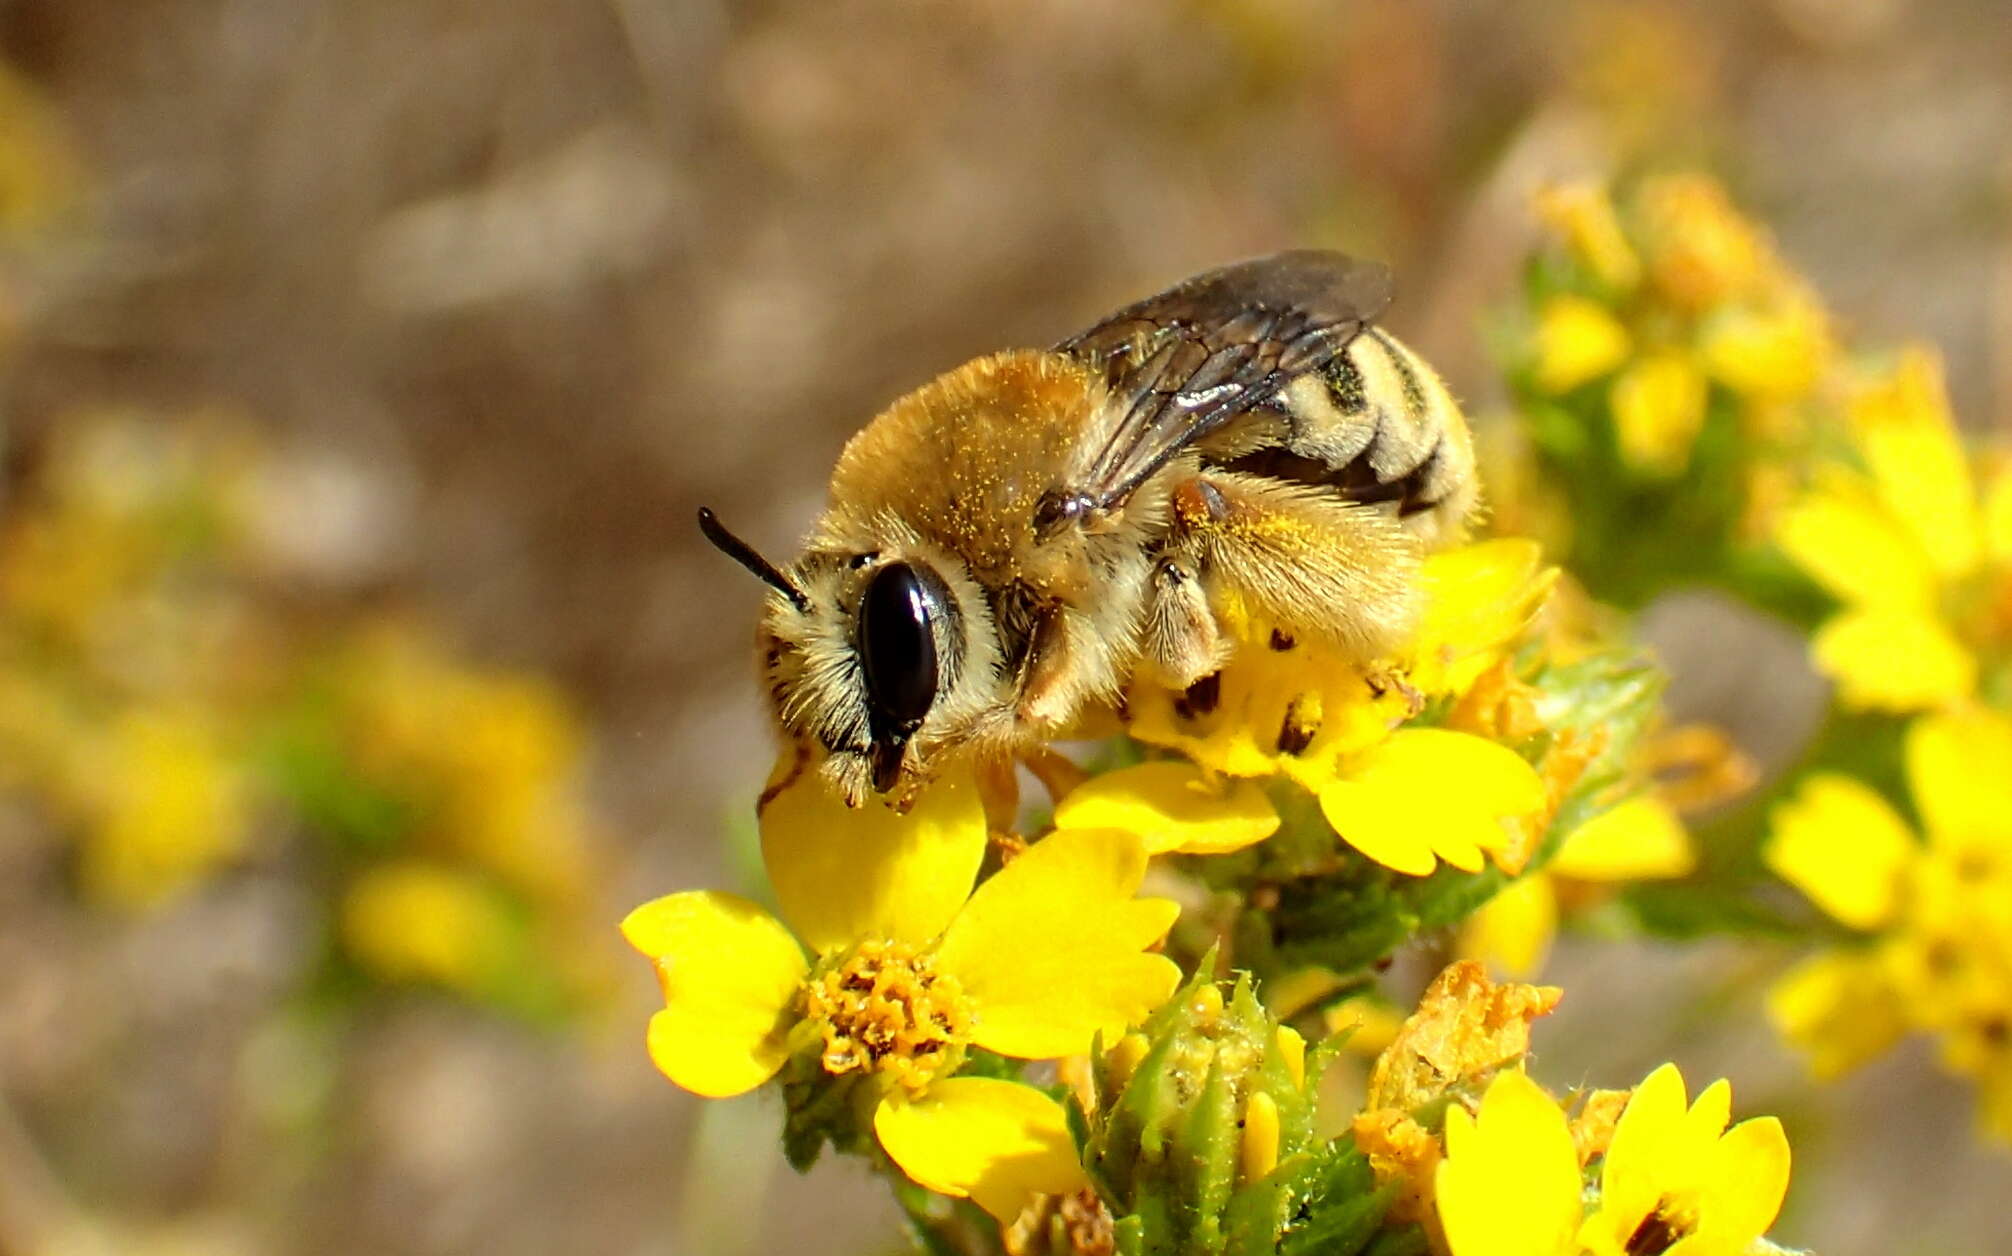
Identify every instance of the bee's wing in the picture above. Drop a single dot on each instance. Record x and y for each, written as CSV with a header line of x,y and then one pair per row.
x,y
1183,363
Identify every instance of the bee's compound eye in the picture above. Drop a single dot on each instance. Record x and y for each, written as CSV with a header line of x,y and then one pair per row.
x,y
897,644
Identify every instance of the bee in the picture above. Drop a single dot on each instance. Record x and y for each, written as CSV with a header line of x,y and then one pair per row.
x,y
1011,545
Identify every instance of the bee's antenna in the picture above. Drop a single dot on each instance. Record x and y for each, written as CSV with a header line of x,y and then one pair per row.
x,y
744,554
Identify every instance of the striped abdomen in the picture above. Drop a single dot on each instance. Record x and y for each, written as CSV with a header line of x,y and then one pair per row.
x,y
1377,425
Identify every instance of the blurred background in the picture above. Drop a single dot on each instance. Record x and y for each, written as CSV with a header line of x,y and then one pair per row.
x,y
364,364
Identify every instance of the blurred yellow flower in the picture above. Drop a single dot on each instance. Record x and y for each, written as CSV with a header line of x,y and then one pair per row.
x,y
168,803
1841,1008
1772,353
1699,250
1938,913
1578,340
490,759
908,966
1370,1025
1903,545
1673,1178
412,921
1659,408
1582,215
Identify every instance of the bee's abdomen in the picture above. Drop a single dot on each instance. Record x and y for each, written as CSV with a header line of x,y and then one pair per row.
x,y
1377,425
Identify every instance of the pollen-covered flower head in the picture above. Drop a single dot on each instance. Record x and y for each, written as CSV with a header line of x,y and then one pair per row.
x,y
893,966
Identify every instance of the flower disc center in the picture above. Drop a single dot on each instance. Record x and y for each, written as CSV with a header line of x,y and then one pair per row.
x,y
884,1008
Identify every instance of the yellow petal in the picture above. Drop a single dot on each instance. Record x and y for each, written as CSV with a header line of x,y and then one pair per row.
x,y
1512,932
846,873
1769,353
1746,1182
1707,1117
1639,840
1838,842
1699,249
1049,951
1910,444
1658,405
1172,806
1582,214
1959,771
998,1142
1380,823
1509,1185
1477,599
1436,762
1856,550
1427,791
1894,660
1577,341
729,972
1840,1008
1637,1163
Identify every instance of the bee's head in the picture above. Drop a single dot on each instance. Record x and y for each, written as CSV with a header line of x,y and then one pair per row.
x,y
865,652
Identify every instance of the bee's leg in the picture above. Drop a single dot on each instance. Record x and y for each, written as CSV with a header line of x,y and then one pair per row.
x,y
1180,637
1301,559
1057,773
998,792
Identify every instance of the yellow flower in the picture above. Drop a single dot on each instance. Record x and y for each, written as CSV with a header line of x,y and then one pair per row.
x,y
1841,1008
1578,341
1898,544
907,966
1659,408
489,758
1675,1174
416,921
170,806
1582,214
1937,912
1288,708
1673,1178
1769,354
1700,251
1843,846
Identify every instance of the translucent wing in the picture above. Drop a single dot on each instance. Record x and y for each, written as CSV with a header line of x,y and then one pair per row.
x,y
1183,363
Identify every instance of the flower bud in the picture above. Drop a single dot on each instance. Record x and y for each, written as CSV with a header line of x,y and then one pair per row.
x,y
1203,1133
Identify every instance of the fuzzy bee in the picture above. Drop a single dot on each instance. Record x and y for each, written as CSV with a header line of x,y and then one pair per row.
x,y
1007,547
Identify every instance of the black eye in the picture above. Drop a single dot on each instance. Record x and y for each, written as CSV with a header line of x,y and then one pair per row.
x,y
898,647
